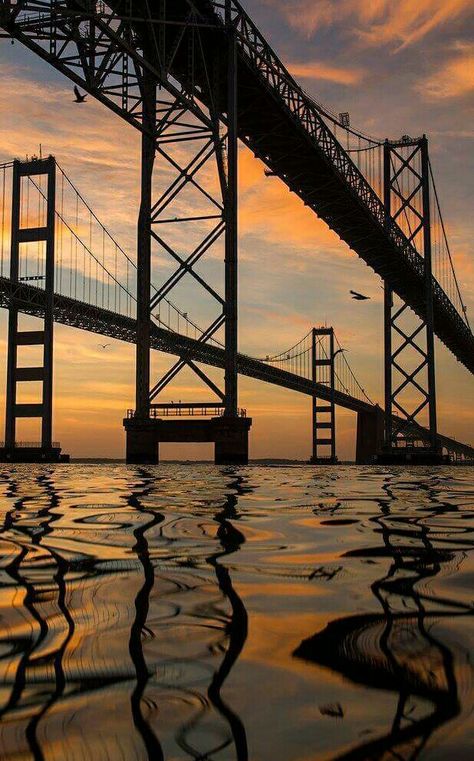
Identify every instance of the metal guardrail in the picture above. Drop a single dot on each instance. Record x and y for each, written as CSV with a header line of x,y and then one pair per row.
x,y
186,410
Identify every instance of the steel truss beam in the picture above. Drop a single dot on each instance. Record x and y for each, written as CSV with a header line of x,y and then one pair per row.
x,y
410,389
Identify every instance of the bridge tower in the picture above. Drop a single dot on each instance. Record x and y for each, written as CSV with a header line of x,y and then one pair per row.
x,y
410,387
323,413
188,128
42,232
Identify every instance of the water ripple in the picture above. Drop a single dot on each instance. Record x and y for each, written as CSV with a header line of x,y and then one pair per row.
x,y
263,613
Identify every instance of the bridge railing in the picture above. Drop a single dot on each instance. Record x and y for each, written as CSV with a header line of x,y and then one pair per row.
x,y
182,409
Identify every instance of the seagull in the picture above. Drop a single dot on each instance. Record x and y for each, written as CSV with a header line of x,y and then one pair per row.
x,y
79,97
103,346
358,296
332,709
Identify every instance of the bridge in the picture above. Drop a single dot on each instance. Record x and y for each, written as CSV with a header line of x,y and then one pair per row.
x,y
195,79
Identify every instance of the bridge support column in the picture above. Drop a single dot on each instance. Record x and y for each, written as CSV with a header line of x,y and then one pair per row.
x,y
410,390
42,232
323,412
188,210
142,445
231,440
370,435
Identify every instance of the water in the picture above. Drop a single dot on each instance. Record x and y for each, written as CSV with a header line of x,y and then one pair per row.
x,y
263,613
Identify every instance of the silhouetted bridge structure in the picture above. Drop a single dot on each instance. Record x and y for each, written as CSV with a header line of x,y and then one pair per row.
x,y
195,78
84,316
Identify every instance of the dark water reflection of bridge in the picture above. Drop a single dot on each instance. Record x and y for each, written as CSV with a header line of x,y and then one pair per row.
x,y
125,627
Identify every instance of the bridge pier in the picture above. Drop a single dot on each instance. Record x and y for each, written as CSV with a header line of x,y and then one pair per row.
x,y
43,232
410,387
323,413
230,436
370,435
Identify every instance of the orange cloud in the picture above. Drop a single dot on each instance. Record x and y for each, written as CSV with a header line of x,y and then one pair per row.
x,y
378,22
454,79
320,70
269,211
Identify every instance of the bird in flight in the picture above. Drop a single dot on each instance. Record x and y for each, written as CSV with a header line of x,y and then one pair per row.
x,y
103,346
80,98
358,296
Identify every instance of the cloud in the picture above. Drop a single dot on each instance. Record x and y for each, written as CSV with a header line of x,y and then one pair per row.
x,y
320,70
273,214
87,142
454,79
379,22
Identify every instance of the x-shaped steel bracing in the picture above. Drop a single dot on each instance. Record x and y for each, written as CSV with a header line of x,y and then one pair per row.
x,y
406,199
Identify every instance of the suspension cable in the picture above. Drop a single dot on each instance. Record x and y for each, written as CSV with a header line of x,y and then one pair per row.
x,y
463,306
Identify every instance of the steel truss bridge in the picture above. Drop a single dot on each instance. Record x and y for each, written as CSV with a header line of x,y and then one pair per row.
x,y
195,78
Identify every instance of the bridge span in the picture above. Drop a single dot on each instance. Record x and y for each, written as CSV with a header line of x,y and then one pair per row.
x,y
195,77
104,322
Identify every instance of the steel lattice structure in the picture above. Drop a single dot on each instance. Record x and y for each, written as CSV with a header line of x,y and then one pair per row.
x,y
406,187
323,414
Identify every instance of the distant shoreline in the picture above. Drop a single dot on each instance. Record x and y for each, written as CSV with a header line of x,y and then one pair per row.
x,y
262,461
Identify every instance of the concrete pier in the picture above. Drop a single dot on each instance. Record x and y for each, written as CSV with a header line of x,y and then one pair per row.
x,y
32,454
370,436
229,434
411,456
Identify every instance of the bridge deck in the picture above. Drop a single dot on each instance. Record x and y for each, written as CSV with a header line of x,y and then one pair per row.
x,y
77,314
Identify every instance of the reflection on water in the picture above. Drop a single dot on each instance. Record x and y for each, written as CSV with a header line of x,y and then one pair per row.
x,y
195,612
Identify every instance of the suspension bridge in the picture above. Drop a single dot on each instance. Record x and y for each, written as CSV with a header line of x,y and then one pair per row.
x,y
195,79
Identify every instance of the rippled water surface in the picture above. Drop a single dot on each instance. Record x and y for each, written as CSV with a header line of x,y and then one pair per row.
x,y
263,613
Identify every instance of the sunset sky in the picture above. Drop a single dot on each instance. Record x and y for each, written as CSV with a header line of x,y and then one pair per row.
x,y
398,68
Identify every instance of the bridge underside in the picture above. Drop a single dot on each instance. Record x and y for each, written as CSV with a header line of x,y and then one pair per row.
x,y
306,156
